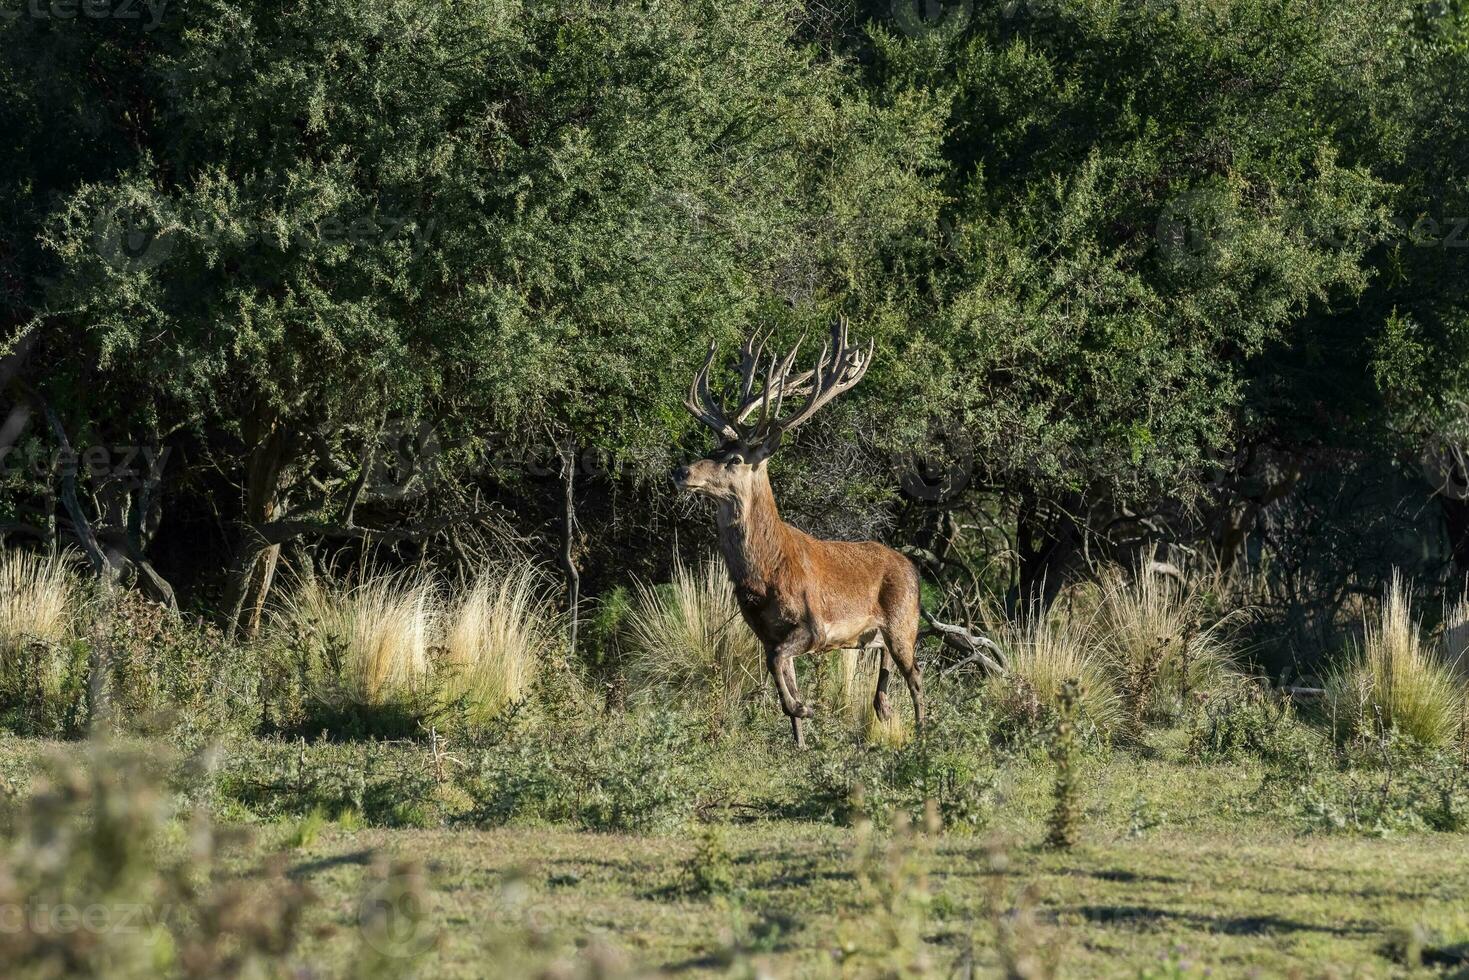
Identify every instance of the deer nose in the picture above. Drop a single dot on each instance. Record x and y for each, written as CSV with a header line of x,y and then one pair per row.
x,y
680,474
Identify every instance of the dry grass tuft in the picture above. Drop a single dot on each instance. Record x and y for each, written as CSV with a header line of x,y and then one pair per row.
x,y
1456,636
1045,651
688,637
845,682
372,637
41,601
40,597
1154,634
1395,681
497,635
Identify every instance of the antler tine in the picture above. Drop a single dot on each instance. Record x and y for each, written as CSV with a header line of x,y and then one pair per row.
x,y
838,370
778,382
702,404
750,355
783,383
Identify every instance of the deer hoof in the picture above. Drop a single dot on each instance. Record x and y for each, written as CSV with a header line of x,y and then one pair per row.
x,y
881,706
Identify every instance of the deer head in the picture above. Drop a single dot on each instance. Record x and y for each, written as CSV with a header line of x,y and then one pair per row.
x,y
731,470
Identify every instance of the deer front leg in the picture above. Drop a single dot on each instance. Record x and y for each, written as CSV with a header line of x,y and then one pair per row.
x,y
781,661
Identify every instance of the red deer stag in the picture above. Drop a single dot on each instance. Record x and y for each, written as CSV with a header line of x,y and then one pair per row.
x,y
798,593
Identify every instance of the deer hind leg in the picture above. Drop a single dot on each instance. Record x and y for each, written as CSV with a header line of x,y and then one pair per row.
x,y
880,699
903,646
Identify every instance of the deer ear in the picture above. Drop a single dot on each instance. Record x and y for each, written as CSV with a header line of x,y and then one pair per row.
x,y
762,451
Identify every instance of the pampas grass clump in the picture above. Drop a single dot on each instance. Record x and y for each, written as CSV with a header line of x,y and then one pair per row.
x,y
371,639
1045,651
1156,643
845,682
1395,681
688,637
40,597
497,636
41,601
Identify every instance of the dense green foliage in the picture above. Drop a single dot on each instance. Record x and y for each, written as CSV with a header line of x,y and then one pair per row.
x,y
1164,273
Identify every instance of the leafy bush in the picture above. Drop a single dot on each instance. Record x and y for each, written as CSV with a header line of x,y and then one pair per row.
x,y
1411,796
605,632
711,869
381,784
1395,681
95,842
162,672
1250,722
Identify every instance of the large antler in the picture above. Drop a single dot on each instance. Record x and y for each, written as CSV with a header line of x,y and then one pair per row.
x,y
839,368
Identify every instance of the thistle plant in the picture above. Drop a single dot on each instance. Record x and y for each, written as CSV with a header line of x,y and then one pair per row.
x,y
1066,812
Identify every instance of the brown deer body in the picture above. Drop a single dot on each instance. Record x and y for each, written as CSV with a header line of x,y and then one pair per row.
x,y
800,594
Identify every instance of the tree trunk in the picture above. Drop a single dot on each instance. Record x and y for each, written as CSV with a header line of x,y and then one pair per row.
x,y
253,569
568,537
1048,539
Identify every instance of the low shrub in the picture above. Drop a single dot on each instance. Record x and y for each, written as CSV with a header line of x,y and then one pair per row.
x,y
952,771
1251,722
164,672
1425,794
637,770
711,868
380,784
97,840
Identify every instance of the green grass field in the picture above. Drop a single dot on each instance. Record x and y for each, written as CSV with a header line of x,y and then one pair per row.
x,y
1182,870
1185,868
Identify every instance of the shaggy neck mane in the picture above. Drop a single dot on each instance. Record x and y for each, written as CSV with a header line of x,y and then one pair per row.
x,y
751,535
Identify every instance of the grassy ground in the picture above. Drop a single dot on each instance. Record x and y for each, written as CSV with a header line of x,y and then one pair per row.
x,y
1183,869
1235,902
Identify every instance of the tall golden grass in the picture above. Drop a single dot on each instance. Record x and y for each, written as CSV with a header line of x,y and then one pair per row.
x,y
687,636
1155,635
386,639
844,683
1394,680
40,598
373,634
41,603
497,636
1045,650
1455,643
